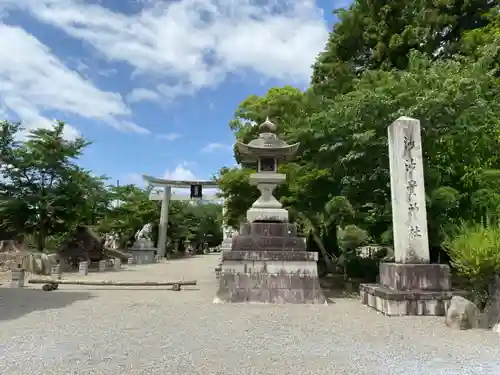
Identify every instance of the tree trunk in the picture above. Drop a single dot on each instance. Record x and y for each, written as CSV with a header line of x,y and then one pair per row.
x,y
326,255
40,241
312,229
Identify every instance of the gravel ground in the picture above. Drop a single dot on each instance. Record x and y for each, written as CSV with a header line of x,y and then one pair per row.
x,y
101,330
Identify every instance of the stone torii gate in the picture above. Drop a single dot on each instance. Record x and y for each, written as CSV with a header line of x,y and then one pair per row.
x,y
166,196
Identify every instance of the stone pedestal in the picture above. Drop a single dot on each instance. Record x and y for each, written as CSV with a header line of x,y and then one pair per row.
x,y
17,278
268,263
227,244
117,264
130,261
83,268
102,266
143,255
410,289
56,272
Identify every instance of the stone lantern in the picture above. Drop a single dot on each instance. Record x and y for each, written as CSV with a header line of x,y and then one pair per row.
x,y
267,151
268,262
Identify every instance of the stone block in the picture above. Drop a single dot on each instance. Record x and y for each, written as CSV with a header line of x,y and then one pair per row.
x,y
405,302
260,287
83,268
17,278
117,264
268,237
56,272
428,277
266,256
267,214
143,256
102,266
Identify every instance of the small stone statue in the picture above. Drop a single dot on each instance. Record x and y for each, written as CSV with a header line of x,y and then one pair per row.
x,y
111,241
143,237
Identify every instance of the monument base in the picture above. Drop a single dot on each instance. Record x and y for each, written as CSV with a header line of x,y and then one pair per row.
x,y
410,289
226,244
143,256
280,277
267,214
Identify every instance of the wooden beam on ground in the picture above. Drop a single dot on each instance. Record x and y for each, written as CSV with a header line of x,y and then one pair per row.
x,y
52,284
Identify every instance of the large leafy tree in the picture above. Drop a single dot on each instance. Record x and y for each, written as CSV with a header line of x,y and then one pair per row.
x,y
44,192
379,34
457,102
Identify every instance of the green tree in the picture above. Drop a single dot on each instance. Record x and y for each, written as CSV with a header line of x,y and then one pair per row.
x,y
237,192
44,192
129,209
380,34
457,103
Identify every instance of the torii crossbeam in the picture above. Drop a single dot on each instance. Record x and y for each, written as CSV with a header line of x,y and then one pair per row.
x,y
167,186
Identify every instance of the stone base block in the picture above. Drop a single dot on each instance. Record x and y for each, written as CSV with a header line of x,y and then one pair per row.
x,y
399,303
143,256
429,277
267,214
227,244
269,277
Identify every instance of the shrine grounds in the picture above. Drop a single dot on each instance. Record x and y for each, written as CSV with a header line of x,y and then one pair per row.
x,y
136,331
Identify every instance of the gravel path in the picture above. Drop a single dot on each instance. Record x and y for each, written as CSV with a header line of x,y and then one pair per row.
x,y
97,330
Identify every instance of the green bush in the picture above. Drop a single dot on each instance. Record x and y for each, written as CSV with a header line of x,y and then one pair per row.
x,y
474,250
349,239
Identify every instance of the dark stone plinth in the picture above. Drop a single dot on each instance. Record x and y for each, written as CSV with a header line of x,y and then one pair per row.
x,y
260,287
403,302
428,277
263,256
410,289
262,236
143,255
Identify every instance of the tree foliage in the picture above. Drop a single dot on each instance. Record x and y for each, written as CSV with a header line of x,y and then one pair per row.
x,y
436,61
45,194
380,34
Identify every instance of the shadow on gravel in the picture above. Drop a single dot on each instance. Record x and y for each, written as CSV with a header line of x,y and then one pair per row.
x,y
335,287
15,303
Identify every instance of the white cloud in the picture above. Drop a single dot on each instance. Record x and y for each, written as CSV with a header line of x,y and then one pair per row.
x,y
141,94
184,46
212,147
180,173
33,80
169,136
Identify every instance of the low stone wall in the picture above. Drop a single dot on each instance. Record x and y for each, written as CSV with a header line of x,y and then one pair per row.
x,y
36,263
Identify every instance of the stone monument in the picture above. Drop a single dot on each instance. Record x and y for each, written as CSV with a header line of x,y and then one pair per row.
x,y
410,285
268,262
143,250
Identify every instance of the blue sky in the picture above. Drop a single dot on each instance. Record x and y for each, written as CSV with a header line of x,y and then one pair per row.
x,y
153,83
